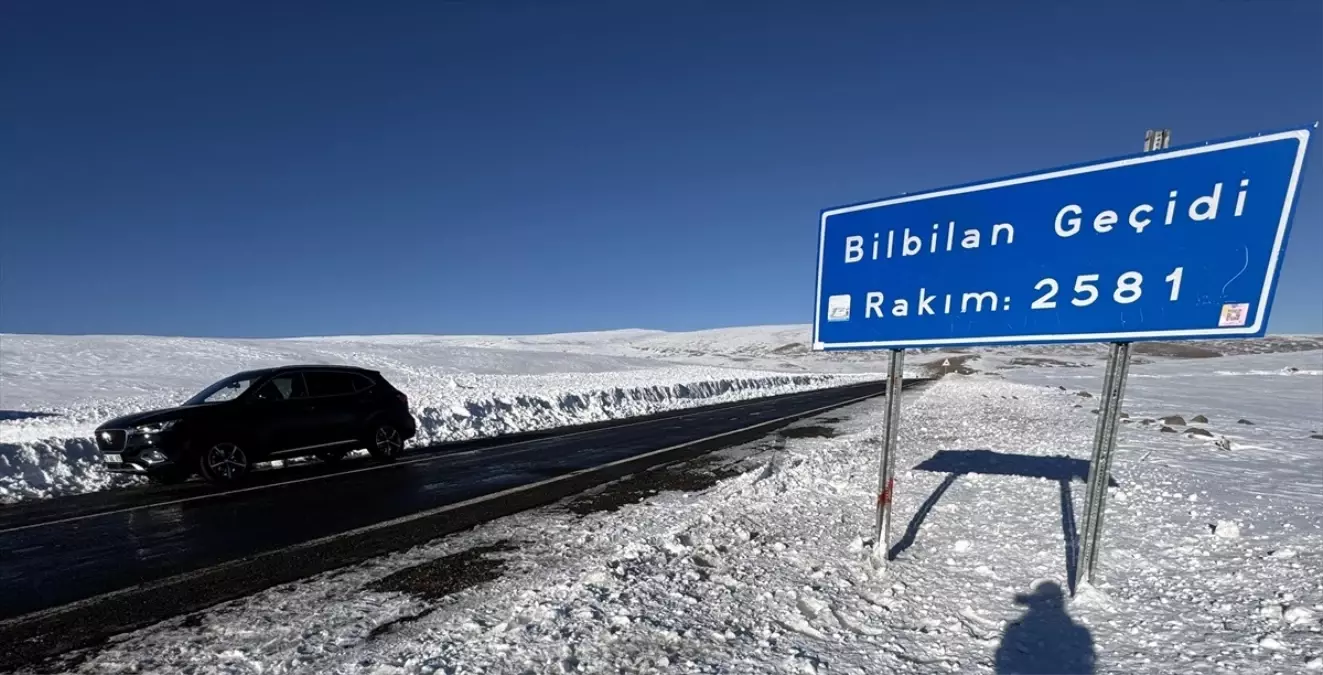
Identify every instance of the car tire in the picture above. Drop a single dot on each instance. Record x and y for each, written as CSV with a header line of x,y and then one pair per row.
x,y
224,462
384,442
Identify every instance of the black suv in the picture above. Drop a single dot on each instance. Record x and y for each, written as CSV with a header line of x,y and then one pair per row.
x,y
260,415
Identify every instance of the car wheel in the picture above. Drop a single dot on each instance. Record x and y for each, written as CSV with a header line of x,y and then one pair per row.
x,y
224,463
332,456
385,443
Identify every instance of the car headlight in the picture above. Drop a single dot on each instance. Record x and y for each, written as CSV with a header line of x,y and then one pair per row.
x,y
156,427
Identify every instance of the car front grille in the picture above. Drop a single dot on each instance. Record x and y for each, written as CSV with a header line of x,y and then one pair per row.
x,y
111,440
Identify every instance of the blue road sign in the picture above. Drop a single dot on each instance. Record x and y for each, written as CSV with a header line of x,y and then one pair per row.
x,y
1174,245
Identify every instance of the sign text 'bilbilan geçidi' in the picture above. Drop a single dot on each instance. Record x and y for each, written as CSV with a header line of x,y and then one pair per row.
x,y
1070,221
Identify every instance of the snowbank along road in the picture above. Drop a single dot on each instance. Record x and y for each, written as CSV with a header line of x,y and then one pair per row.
x,y
54,390
73,577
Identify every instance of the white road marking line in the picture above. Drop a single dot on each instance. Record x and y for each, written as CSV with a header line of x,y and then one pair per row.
x,y
431,457
411,517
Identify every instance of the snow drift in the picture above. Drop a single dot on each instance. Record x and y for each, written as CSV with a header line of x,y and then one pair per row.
x,y
767,570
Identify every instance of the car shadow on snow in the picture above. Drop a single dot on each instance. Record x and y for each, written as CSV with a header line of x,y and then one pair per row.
x,y
956,463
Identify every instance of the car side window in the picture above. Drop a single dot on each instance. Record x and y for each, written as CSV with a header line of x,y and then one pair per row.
x,y
283,388
362,383
329,383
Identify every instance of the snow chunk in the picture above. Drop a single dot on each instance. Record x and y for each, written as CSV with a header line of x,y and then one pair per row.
x,y
1270,610
1226,529
1272,643
1298,615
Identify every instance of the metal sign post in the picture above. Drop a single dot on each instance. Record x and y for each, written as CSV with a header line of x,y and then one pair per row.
x,y
1100,464
886,467
1109,422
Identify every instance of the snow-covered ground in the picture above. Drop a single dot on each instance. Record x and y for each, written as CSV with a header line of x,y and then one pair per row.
x,y
1213,556
54,390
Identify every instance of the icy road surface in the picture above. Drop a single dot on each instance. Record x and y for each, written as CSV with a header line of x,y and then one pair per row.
x,y
1212,563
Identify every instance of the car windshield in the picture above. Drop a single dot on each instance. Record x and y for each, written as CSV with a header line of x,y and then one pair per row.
x,y
226,390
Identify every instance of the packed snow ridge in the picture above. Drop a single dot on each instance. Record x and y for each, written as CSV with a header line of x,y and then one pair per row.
x,y
55,390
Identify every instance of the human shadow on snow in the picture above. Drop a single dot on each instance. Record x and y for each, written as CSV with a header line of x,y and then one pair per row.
x,y
1045,639
956,463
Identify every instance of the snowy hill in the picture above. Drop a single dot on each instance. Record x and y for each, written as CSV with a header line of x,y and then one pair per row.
x,y
55,389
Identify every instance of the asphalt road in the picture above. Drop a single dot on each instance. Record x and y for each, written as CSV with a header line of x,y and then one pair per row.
x,y
76,570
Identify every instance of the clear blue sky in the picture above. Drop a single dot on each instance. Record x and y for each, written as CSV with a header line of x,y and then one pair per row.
x,y
521,166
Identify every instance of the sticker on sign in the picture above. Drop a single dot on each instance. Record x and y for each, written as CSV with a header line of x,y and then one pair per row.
x,y
838,308
1184,243
1234,315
